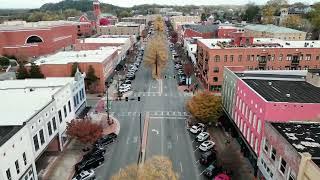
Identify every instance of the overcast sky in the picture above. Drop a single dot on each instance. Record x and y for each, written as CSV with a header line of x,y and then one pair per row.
x,y
129,3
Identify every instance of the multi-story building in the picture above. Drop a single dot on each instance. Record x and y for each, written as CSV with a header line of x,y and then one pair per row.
x,y
290,151
136,19
197,30
252,98
181,20
122,28
103,61
254,53
42,109
272,31
228,31
22,39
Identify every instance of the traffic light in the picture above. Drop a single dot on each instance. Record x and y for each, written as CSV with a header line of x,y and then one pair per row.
x,y
138,98
127,99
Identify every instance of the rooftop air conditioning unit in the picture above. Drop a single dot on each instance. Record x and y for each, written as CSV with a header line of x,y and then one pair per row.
x,y
288,95
270,83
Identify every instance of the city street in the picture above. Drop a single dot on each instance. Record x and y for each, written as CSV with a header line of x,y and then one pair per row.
x,y
167,133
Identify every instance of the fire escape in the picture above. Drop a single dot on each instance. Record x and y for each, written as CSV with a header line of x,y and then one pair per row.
x,y
262,62
295,61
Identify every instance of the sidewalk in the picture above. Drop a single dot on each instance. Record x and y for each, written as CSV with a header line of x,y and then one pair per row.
x,y
229,155
63,166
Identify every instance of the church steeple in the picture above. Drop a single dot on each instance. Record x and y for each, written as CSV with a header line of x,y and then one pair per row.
x,y
96,8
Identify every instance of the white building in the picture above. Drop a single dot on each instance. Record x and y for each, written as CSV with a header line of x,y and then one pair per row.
x,y
34,116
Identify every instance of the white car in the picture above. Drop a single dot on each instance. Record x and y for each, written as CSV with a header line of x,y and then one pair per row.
x,y
202,136
124,89
195,129
125,86
207,145
85,175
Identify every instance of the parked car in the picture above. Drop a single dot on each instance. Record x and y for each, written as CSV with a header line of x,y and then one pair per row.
x,y
106,140
88,164
126,82
208,157
202,136
85,175
212,171
206,145
131,77
125,85
195,129
124,90
95,151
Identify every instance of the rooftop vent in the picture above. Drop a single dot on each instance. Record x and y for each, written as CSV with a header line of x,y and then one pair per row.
x,y
85,55
270,83
288,95
287,43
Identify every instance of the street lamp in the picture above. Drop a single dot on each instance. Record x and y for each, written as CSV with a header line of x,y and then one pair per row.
x,y
107,86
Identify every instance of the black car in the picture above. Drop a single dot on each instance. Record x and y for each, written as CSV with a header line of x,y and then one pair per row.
x,y
212,171
95,152
208,157
131,77
91,163
110,138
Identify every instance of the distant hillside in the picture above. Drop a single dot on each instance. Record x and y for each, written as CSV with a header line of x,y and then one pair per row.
x,y
81,5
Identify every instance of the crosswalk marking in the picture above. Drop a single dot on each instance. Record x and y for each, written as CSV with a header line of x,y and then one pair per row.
x,y
151,113
170,94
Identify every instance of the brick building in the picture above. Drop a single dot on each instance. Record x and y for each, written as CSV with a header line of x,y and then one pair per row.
x,y
253,98
228,31
180,20
290,151
122,28
254,53
23,39
103,60
272,31
197,30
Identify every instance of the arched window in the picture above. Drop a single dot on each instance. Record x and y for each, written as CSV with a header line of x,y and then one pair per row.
x,y
34,39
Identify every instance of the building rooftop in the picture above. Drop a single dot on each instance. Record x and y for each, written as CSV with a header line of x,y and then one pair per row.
x,y
264,43
285,91
27,97
304,137
65,57
270,28
201,28
6,132
23,25
107,40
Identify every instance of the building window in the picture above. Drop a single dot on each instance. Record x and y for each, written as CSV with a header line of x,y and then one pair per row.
x,y
36,142
240,103
292,177
240,58
49,128
317,58
266,146
54,124
254,120
280,57
256,146
17,166
60,116
259,126
246,115
252,58
289,57
250,116
308,57
215,79
248,135
24,158
231,58
74,101
272,57
251,139
248,57
225,58
8,174
273,153
41,137
283,165
65,111
217,58
69,106
243,107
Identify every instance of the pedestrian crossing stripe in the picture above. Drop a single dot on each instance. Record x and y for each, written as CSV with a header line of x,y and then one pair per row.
x,y
137,94
151,113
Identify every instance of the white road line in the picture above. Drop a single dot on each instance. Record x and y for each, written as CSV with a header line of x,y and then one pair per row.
x,y
197,161
167,117
128,139
202,172
196,149
177,138
180,166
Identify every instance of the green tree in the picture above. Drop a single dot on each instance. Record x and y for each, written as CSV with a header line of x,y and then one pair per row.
x,y
74,68
22,72
35,71
314,18
91,77
251,12
293,21
205,107
4,61
124,13
71,13
271,9
203,17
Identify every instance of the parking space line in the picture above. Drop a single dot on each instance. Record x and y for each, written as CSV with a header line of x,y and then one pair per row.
x,y
196,149
180,166
197,162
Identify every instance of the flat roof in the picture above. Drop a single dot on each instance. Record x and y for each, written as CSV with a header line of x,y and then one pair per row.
x,y
65,57
264,43
6,132
23,25
279,90
107,40
304,137
271,28
21,99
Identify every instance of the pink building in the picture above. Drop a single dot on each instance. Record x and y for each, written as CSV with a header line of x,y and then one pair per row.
x,y
252,98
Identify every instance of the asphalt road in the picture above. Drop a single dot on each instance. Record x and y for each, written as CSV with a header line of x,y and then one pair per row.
x,y
167,134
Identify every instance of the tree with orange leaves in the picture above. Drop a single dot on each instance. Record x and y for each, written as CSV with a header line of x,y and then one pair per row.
x,y
205,107
84,130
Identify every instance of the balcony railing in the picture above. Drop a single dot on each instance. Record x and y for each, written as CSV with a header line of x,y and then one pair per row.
x,y
295,62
